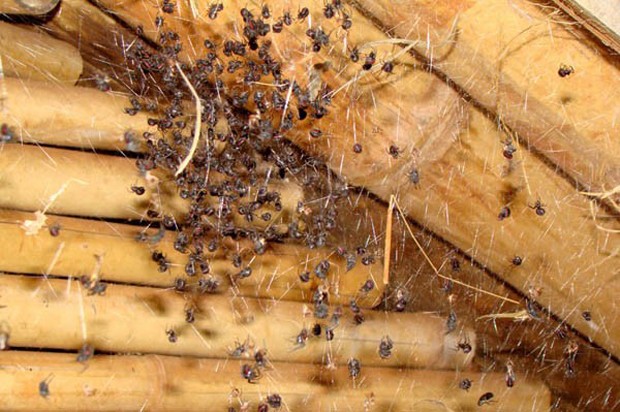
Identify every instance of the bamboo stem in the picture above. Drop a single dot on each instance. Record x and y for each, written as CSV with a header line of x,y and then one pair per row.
x,y
52,313
166,383
98,185
274,274
72,116
33,7
28,55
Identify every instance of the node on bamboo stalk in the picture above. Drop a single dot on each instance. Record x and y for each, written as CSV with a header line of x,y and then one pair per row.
x,y
28,7
70,247
133,382
220,326
28,55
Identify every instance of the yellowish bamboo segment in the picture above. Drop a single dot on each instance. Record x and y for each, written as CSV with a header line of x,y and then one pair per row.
x,y
71,116
96,185
82,243
28,55
277,275
58,313
83,246
155,382
75,183
31,7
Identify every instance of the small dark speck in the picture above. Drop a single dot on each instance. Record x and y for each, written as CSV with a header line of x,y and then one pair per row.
x,y
565,70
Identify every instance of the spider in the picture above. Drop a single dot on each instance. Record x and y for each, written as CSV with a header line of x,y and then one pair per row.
x,y
464,345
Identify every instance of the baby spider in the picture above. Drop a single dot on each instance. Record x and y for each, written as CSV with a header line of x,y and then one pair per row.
x,y
539,208
385,347
371,58
511,377
394,151
44,386
465,384
172,335
388,67
251,373
240,348
464,345
354,368
301,339
451,322
565,70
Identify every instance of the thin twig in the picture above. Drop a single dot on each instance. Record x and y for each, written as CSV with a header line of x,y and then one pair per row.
x,y
606,194
604,229
194,9
3,93
82,314
196,138
519,315
388,242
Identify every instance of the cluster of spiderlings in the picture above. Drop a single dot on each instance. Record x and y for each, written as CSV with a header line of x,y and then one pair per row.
x,y
319,38
247,108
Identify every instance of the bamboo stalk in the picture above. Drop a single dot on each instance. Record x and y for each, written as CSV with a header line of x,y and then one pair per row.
x,y
96,185
559,117
170,383
32,7
55,313
29,55
82,242
72,116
